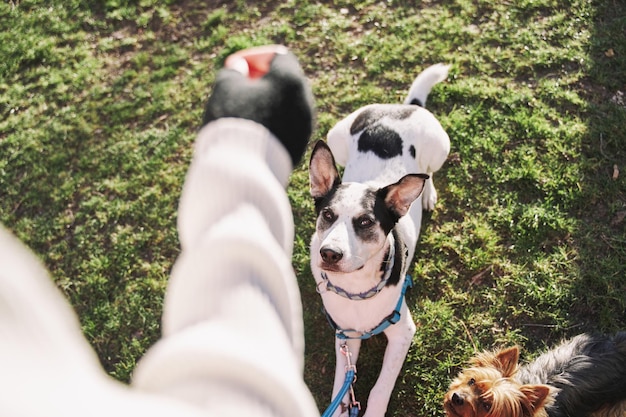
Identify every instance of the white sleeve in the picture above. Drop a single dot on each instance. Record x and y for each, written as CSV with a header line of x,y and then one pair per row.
x,y
232,327
232,323
47,368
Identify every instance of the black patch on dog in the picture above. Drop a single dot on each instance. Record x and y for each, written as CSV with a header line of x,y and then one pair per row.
x,y
385,217
374,201
399,260
321,202
384,142
376,137
366,234
412,150
417,102
370,233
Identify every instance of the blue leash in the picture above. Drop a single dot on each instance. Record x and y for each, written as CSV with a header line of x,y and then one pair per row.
x,y
344,390
347,385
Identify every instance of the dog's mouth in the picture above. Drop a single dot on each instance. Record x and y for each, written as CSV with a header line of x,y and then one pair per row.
x,y
328,267
450,410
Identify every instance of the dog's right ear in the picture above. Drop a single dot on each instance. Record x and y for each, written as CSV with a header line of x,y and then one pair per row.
x,y
323,174
537,396
399,196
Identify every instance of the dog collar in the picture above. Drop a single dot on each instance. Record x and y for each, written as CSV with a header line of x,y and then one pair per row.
x,y
392,318
325,284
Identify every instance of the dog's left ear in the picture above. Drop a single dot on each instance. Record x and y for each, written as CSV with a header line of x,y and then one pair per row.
x,y
399,196
323,174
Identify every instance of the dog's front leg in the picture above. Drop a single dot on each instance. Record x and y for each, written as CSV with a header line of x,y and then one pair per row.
x,y
340,370
399,337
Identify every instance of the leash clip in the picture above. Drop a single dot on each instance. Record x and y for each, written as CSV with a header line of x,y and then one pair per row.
x,y
346,352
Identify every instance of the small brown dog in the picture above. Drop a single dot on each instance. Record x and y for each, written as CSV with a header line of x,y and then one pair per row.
x,y
582,377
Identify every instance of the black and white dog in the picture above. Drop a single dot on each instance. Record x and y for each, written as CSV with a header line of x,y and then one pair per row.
x,y
364,241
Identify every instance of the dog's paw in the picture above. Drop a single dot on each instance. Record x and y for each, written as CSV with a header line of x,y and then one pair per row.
x,y
429,195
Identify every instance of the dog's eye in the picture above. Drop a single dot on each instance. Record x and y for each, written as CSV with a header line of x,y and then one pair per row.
x,y
471,382
328,215
365,222
487,407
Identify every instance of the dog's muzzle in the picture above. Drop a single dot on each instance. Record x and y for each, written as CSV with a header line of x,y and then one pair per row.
x,y
457,399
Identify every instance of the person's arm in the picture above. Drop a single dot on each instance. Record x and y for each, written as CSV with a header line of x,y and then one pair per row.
x,y
232,324
47,368
232,327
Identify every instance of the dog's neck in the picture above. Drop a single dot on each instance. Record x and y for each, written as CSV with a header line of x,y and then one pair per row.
x,y
369,281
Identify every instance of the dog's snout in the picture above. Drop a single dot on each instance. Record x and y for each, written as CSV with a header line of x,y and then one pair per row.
x,y
457,399
331,256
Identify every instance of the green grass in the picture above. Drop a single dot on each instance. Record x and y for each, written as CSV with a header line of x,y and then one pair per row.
x,y
100,101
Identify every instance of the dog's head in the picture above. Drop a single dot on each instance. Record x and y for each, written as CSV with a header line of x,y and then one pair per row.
x,y
354,219
488,388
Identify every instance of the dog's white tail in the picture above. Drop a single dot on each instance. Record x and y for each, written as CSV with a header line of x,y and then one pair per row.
x,y
424,83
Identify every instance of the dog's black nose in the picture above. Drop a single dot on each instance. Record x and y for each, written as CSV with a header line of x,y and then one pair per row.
x,y
457,399
330,256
